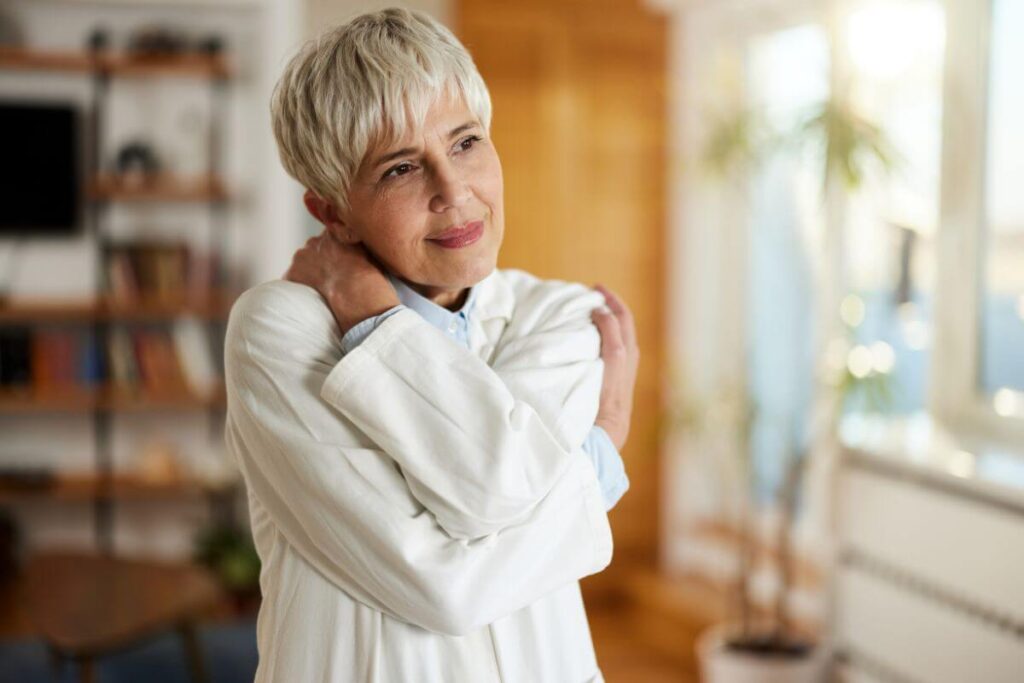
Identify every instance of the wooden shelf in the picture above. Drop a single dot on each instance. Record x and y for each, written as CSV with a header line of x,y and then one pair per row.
x,y
123,486
161,188
47,310
215,307
15,311
190,65
141,402
21,402
104,400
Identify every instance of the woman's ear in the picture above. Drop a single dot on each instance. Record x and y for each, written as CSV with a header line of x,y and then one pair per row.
x,y
325,212
319,208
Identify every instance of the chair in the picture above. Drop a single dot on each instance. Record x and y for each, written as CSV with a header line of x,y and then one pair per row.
x,y
87,606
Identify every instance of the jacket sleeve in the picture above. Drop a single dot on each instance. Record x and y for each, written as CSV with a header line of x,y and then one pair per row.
x,y
607,461
480,445
345,506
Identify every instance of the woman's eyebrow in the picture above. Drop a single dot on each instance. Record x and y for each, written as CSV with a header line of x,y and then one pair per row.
x,y
409,150
464,127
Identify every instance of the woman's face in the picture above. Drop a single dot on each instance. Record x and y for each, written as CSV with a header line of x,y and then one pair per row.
x,y
429,207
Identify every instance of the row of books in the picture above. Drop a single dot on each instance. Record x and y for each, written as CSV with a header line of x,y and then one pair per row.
x,y
49,359
167,272
174,360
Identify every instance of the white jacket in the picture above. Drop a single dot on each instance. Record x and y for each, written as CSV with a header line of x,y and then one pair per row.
x,y
423,512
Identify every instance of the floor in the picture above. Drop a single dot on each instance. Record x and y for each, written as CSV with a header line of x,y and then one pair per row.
x,y
230,650
624,657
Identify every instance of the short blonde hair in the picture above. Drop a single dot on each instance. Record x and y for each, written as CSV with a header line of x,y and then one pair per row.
x,y
365,83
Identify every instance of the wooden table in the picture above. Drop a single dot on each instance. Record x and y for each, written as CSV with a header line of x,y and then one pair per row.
x,y
87,605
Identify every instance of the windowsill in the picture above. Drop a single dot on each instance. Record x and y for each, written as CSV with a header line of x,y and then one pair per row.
x,y
920,447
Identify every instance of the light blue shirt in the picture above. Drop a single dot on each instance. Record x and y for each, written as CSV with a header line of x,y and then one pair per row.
x,y
607,461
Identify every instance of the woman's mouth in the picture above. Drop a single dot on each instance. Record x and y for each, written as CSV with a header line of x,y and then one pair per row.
x,y
459,237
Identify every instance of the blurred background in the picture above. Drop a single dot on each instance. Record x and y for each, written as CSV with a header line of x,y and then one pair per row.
x,y
815,209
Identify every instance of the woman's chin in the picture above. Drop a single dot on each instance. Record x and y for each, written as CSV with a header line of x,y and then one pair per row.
x,y
468,271
455,278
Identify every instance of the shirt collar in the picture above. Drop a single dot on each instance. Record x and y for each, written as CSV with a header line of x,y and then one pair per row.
x,y
490,298
436,315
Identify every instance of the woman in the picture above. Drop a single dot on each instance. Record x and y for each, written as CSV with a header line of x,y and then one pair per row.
x,y
430,445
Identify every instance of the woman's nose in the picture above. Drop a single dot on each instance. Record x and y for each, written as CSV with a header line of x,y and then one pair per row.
x,y
450,189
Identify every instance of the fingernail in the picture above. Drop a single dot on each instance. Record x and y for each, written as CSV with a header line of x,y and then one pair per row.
x,y
602,310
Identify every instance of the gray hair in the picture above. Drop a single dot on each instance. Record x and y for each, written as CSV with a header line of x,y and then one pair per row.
x,y
364,83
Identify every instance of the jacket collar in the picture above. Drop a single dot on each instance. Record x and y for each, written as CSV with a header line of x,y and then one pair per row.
x,y
490,298
494,297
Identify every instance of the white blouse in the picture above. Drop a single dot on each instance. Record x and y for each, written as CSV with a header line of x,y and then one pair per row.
x,y
423,511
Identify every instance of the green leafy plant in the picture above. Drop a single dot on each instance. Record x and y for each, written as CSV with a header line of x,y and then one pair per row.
x,y
740,141
737,144
875,390
231,555
850,142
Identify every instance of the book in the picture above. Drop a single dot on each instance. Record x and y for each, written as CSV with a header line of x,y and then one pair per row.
x,y
195,357
15,357
123,369
167,273
161,373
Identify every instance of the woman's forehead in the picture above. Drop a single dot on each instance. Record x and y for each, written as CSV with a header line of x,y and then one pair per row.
x,y
447,116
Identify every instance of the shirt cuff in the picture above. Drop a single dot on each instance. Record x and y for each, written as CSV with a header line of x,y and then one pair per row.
x,y
611,471
361,330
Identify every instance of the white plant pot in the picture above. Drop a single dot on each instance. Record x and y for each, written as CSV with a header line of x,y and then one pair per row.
x,y
720,665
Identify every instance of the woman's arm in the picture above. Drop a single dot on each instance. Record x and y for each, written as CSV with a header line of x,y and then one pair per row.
x,y
621,355
605,439
480,446
345,506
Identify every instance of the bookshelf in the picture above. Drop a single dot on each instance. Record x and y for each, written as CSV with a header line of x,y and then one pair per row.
x,y
146,297
190,65
79,487
109,399
213,307
163,188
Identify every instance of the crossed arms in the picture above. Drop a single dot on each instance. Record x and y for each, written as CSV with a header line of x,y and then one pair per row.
x,y
418,479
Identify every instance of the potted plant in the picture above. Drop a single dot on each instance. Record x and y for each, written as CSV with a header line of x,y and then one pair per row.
x,y
752,645
231,556
763,646
757,647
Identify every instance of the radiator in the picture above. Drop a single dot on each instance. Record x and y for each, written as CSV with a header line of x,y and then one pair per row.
x,y
930,580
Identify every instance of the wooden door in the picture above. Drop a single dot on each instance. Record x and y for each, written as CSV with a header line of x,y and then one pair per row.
x,y
580,114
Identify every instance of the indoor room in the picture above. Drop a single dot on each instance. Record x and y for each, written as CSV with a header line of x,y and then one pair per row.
x,y
276,406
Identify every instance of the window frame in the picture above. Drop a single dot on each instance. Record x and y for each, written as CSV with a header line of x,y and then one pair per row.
x,y
955,394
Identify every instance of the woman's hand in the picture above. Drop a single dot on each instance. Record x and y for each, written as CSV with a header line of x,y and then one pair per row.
x,y
346,276
621,357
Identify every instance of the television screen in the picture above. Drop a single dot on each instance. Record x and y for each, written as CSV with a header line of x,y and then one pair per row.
x,y
39,184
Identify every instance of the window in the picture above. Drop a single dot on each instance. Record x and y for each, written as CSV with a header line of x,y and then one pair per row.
x,y
923,262
1001,361
895,55
788,76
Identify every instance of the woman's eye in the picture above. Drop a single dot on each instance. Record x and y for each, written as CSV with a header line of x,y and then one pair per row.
x,y
399,170
467,143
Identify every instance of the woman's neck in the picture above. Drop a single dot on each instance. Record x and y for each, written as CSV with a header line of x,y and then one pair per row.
x,y
453,300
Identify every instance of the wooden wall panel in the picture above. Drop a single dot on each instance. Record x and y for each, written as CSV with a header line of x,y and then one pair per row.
x,y
580,117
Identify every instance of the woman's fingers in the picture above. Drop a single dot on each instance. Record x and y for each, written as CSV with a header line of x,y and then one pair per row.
x,y
612,343
622,313
621,359
613,406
